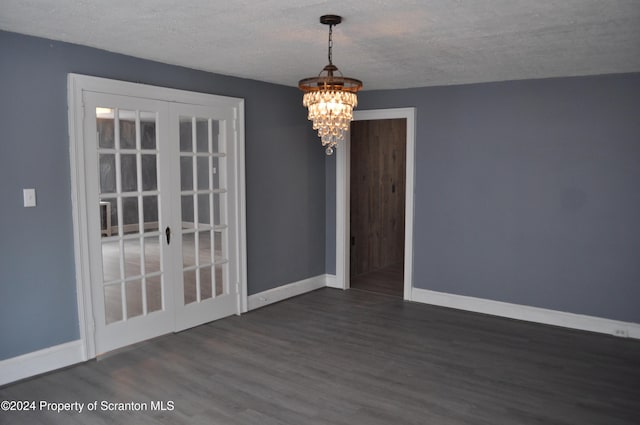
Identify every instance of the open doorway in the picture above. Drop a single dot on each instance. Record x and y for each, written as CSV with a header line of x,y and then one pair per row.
x,y
343,189
377,205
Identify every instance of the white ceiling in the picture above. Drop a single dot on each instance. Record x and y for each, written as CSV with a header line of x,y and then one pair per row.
x,y
387,44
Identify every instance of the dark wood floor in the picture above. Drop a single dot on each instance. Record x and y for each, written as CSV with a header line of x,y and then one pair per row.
x,y
355,357
388,280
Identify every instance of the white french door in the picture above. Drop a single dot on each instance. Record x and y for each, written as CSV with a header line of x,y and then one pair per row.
x,y
161,223
206,213
128,183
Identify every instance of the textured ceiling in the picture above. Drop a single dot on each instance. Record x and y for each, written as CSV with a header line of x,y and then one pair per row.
x,y
387,44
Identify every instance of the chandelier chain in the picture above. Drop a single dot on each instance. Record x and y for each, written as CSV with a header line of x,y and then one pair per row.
x,y
330,44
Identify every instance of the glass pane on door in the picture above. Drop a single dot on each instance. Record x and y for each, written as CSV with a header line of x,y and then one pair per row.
x,y
131,240
202,190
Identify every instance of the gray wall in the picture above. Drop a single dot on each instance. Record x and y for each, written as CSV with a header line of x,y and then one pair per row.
x,y
285,182
527,191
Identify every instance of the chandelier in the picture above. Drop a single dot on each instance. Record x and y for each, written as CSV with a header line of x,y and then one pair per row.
x,y
330,97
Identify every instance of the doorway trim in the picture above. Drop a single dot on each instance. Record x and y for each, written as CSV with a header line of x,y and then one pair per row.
x,y
343,196
76,85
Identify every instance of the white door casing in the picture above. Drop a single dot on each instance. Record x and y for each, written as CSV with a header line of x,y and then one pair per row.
x,y
343,175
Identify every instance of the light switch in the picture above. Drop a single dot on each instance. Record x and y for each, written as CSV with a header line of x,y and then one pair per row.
x,y
29,197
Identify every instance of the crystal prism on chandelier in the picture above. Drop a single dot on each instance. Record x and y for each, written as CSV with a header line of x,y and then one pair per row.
x,y
330,97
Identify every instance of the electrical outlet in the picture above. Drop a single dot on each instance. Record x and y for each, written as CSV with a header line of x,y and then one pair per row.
x,y
621,332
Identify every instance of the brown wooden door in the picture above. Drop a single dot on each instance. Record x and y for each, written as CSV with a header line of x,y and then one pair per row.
x,y
378,155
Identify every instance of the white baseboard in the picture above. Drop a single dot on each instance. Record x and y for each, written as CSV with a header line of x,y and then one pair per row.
x,y
528,313
41,361
283,292
332,281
